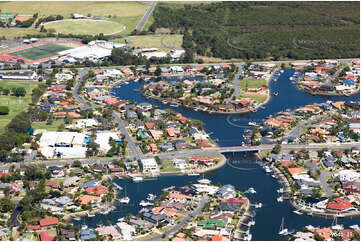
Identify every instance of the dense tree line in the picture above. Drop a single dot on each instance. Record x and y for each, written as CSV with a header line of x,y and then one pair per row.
x,y
260,30
48,19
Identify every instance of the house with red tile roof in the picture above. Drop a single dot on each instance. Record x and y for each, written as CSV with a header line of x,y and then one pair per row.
x,y
323,232
156,134
48,222
98,190
85,199
273,122
339,204
297,170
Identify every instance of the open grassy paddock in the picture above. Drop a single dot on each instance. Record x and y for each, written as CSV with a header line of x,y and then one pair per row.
x,y
43,51
260,98
163,42
86,26
124,9
16,104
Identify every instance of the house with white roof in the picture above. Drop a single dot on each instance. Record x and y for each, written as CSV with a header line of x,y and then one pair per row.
x,y
149,165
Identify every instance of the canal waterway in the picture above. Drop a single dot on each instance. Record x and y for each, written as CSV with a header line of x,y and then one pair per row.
x,y
268,218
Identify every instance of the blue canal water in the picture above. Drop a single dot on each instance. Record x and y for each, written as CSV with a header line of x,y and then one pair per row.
x,y
268,218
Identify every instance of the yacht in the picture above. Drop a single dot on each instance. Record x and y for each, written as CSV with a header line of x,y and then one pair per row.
x,y
252,124
280,190
151,197
106,211
120,219
145,203
275,94
280,199
297,212
77,218
248,237
173,104
125,199
274,176
90,215
137,179
165,102
251,223
283,231
258,205
310,214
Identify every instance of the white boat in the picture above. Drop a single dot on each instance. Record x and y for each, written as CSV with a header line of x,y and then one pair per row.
x,y
283,231
280,190
280,199
267,169
291,78
335,225
125,199
145,203
252,124
251,190
204,181
151,197
297,212
121,219
106,211
274,176
251,223
258,205
310,214
248,237
90,215
84,226
165,102
137,179
77,218
126,83
117,186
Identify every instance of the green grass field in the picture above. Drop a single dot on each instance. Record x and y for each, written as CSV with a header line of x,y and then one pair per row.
x,y
43,51
85,26
51,127
124,9
125,13
163,42
16,104
251,83
257,97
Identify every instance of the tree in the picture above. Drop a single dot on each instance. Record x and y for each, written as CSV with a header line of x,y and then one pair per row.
x,y
4,110
158,71
6,205
6,91
20,92
276,149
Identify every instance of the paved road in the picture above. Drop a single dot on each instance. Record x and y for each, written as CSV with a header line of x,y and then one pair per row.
x,y
183,221
123,130
323,180
237,90
145,17
82,73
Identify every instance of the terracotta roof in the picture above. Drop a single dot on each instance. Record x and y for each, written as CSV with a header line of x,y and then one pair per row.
x,y
44,236
339,204
88,198
296,170
49,221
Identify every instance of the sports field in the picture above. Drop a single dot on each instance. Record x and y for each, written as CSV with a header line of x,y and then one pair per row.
x,y
85,26
42,51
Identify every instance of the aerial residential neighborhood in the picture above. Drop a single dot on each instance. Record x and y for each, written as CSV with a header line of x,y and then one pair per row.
x,y
179,121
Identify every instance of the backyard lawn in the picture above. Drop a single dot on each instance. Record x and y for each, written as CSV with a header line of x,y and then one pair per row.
x,y
15,104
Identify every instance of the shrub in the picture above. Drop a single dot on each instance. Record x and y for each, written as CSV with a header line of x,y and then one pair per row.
x,y
4,110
